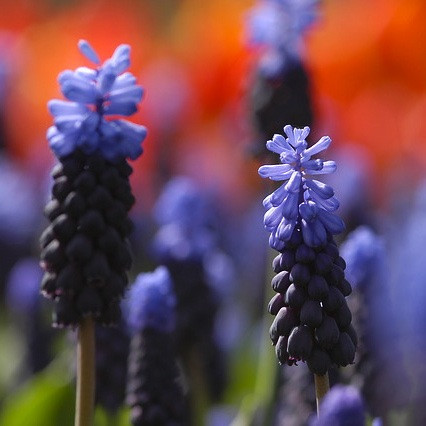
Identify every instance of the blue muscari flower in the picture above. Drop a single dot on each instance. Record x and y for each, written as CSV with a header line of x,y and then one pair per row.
x,y
151,302
365,255
184,214
301,201
408,268
278,26
183,202
95,94
341,406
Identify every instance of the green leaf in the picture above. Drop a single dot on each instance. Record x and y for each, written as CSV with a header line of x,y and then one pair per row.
x,y
47,399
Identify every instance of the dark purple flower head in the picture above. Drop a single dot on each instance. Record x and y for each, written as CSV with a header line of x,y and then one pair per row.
x,y
23,286
301,200
341,406
94,95
278,27
150,302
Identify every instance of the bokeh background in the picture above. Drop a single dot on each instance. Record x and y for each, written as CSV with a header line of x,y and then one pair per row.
x,y
366,63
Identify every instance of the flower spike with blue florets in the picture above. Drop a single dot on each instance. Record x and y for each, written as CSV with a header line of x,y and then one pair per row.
x,y
82,122
85,250
312,319
154,392
301,200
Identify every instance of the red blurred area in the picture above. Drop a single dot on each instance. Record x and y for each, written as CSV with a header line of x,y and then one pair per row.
x,y
368,65
366,60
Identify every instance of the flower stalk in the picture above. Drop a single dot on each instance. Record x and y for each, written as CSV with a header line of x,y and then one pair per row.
x,y
322,386
85,396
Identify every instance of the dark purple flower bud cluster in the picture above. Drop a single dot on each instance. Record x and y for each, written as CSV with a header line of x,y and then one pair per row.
x,y
281,87
312,319
112,352
85,251
283,99
184,240
154,392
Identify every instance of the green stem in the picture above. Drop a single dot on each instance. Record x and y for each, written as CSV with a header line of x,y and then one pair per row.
x,y
85,396
199,399
322,386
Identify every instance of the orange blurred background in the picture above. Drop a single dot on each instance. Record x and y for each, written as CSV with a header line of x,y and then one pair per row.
x,y
366,62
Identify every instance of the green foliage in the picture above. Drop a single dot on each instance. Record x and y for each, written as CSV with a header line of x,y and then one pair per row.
x,y
47,399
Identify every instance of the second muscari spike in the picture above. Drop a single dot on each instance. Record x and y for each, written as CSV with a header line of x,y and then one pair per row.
x,y
312,319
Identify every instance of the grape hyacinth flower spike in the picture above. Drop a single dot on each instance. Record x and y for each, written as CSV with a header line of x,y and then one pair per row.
x,y
85,252
312,319
154,393
281,85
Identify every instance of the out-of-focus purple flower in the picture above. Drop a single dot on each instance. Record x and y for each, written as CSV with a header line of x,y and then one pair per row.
x,y
151,302
183,202
278,27
365,256
301,199
220,272
341,406
186,221
355,171
19,206
409,282
23,286
95,94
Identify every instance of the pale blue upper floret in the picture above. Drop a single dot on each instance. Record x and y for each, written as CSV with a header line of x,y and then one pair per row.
x,y
151,302
301,200
94,94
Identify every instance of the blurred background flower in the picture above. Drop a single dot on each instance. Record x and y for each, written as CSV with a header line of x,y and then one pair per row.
x,y
360,73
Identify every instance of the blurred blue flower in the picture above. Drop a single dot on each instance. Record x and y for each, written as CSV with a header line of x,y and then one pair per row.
x,y
19,205
278,26
186,219
365,256
409,279
95,94
23,286
341,406
150,302
301,200
182,202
